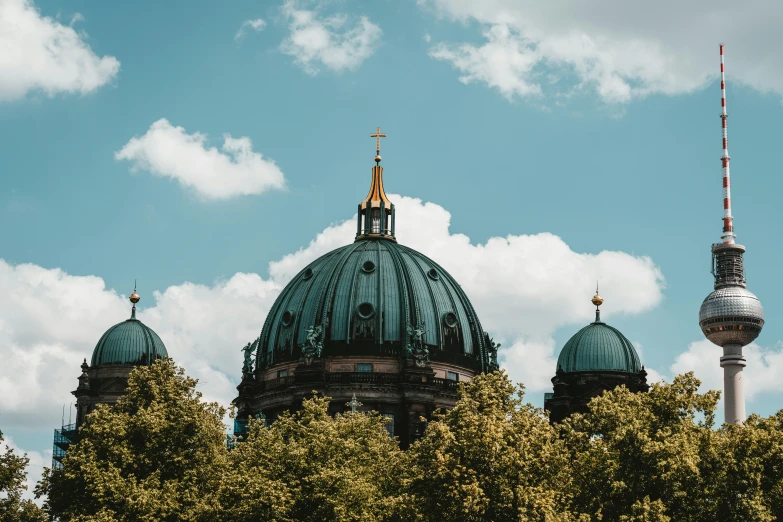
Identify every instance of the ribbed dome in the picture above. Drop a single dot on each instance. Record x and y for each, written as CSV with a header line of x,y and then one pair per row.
x,y
129,342
599,348
366,294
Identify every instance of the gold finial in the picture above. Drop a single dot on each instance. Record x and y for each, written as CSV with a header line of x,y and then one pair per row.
x,y
378,135
134,297
597,299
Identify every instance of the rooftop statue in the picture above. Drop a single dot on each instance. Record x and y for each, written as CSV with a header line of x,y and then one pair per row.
x,y
415,349
314,343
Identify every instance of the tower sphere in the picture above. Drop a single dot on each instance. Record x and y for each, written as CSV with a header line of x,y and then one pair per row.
x,y
731,315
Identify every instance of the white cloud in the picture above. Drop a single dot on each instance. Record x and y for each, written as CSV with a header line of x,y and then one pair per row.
x,y
504,62
256,25
762,373
621,50
41,54
336,42
205,327
169,151
49,321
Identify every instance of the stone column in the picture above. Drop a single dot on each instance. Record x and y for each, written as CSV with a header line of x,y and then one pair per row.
x,y
733,363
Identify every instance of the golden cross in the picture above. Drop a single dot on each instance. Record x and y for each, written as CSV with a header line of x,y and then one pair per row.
x,y
378,137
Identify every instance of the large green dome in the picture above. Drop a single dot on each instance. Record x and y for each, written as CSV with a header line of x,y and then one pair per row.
x,y
599,348
365,296
130,342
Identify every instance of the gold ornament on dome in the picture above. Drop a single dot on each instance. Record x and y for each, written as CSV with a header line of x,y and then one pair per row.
x,y
134,297
597,299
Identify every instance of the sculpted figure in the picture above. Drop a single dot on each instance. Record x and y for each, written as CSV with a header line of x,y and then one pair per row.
x,y
314,343
415,348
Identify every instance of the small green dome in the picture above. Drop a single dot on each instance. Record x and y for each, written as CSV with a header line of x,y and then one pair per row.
x,y
129,342
599,348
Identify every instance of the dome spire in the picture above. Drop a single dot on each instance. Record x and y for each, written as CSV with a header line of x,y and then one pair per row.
x,y
134,298
597,300
376,213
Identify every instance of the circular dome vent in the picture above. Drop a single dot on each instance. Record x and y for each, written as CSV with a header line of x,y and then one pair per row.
x,y
288,318
433,274
307,273
450,320
365,310
368,267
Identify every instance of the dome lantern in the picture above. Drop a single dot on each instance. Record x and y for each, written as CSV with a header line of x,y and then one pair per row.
x,y
375,217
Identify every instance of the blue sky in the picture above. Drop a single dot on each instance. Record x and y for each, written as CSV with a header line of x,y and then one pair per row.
x,y
540,136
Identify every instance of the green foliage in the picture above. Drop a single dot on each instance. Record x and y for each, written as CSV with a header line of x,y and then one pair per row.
x,y
656,456
634,449
312,466
157,455
12,477
160,454
491,458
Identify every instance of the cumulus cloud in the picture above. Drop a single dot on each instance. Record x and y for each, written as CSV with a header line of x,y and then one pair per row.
x,y
256,25
504,62
620,50
204,327
336,42
49,321
41,54
765,366
235,170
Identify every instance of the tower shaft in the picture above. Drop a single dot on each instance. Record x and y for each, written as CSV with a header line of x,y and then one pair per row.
x,y
733,362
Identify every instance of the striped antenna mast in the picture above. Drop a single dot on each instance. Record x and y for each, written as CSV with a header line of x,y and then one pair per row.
x,y
728,221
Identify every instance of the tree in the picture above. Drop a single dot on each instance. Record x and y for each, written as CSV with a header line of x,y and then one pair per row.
x,y
157,455
751,468
12,484
656,457
491,458
311,466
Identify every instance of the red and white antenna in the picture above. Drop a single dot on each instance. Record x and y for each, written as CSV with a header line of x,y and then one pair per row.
x,y
728,225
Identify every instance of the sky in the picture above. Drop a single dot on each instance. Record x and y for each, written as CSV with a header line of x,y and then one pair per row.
x,y
209,151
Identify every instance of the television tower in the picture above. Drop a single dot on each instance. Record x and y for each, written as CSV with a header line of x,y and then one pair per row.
x,y
731,316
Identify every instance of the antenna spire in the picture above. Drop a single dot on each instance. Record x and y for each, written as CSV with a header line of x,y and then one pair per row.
x,y
728,221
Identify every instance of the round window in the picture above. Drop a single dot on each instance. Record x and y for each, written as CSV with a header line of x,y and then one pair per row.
x,y
308,273
365,310
433,274
450,319
368,266
288,317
